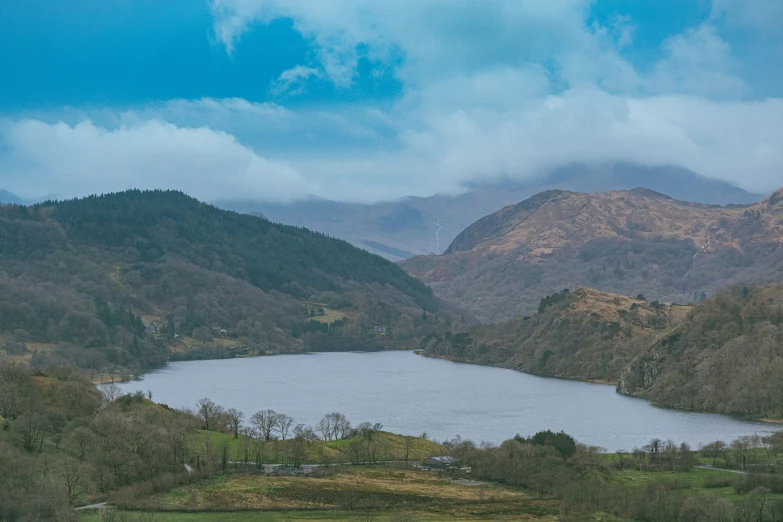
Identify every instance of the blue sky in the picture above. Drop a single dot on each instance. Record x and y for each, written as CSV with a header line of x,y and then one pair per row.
x,y
366,100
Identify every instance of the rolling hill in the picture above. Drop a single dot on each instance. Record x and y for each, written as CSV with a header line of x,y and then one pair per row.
x,y
130,279
426,225
628,242
586,334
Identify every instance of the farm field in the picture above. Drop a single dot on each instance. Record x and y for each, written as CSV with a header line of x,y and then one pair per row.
x,y
346,493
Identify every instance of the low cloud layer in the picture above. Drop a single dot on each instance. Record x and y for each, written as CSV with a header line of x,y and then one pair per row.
x,y
502,88
74,160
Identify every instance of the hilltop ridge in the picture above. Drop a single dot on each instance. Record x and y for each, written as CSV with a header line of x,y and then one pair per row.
x,y
585,334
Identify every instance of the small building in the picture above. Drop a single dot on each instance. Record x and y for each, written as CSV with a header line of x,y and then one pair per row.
x,y
440,463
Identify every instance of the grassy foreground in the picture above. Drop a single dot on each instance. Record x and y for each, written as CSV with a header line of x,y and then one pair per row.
x,y
346,493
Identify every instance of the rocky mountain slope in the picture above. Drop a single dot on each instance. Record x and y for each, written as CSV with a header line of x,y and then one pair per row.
x,y
420,226
127,280
586,335
628,242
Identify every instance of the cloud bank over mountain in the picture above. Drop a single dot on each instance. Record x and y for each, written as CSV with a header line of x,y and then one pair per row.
x,y
373,100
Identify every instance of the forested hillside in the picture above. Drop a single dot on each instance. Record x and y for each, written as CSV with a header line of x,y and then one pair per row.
x,y
626,242
128,280
723,355
586,334
726,357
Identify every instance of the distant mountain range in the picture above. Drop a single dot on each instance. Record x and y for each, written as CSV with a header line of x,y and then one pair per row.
x,y
628,242
7,198
420,226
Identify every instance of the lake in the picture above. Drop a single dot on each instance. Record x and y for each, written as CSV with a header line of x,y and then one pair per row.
x,y
411,394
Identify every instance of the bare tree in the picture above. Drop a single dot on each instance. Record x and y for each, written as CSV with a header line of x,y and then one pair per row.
x,y
32,430
741,448
284,423
334,426
10,400
342,426
235,418
82,438
203,334
325,428
265,422
75,480
715,450
305,432
409,441
110,393
209,413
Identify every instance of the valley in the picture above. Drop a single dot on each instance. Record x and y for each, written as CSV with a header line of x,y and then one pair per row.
x,y
156,284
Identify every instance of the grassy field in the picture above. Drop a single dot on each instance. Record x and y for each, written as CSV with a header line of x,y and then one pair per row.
x,y
718,482
275,516
330,314
393,447
350,493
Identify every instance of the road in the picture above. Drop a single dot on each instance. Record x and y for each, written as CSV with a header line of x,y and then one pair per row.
x,y
738,472
92,506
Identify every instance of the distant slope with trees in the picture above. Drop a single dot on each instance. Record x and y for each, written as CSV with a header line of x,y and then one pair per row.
x,y
127,280
723,355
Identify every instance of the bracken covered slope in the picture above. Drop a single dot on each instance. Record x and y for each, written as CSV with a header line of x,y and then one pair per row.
x,y
629,242
586,335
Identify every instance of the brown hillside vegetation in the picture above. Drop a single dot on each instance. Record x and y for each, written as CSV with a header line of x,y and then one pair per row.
x,y
623,241
726,357
586,334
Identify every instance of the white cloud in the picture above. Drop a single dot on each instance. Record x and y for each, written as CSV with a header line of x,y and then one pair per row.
x,y
428,143
764,15
431,39
292,81
698,62
84,158
492,88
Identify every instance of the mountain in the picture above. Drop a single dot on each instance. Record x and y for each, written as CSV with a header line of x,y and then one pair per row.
x,y
727,357
420,226
586,334
628,242
8,198
131,279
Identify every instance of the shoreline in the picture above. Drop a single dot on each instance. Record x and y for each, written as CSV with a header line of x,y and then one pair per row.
x,y
140,377
763,420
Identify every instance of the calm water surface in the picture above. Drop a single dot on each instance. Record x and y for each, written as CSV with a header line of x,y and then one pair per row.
x,y
411,394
